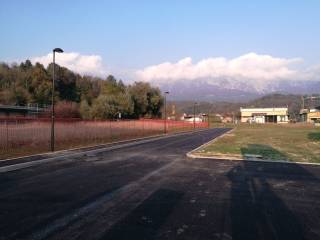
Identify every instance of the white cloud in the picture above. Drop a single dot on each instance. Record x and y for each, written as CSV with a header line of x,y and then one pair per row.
x,y
254,70
251,66
83,64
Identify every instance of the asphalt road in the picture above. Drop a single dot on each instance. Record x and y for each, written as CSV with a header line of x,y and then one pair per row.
x,y
153,191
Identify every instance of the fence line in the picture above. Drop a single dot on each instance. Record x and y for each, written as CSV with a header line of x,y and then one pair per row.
x,y
21,136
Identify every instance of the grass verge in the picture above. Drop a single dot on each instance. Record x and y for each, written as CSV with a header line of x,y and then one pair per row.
x,y
291,142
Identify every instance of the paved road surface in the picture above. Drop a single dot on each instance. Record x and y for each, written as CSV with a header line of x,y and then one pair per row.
x,y
153,191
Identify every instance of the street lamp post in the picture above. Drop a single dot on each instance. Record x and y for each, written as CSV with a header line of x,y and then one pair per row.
x,y
165,111
194,116
58,50
210,110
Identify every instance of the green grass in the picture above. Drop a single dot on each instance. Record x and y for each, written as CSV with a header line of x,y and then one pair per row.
x,y
274,142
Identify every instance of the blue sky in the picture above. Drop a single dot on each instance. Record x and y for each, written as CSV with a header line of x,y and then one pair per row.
x,y
136,34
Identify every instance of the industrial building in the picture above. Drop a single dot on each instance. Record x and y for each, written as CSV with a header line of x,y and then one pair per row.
x,y
20,111
310,115
264,115
310,111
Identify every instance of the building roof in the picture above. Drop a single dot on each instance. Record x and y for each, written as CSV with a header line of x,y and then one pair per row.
x,y
12,108
272,109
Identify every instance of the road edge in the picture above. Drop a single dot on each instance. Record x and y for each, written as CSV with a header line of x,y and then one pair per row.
x,y
68,153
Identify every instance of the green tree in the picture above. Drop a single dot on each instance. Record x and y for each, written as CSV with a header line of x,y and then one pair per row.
x,y
40,88
65,83
85,110
25,83
147,100
21,96
7,97
112,86
109,106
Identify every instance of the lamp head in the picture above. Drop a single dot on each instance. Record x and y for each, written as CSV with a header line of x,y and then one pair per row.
x,y
59,50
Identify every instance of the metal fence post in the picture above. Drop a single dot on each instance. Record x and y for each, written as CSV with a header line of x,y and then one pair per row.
x,y
143,133
110,130
7,137
95,133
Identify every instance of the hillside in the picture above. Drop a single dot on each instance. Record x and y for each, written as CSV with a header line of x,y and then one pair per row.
x,y
77,95
273,100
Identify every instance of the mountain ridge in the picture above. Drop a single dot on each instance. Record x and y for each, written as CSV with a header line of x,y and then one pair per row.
x,y
234,91
292,101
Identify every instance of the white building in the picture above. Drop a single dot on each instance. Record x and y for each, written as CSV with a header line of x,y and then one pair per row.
x,y
191,118
264,115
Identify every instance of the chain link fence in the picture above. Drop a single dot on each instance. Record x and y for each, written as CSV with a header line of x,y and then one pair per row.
x,y
24,136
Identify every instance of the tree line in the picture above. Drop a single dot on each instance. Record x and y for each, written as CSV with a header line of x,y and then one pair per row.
x,y
76,95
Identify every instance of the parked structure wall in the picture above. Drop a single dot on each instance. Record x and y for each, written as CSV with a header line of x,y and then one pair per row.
x,y
264,115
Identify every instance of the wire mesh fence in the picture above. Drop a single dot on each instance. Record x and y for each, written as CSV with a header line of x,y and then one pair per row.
x,y
23,136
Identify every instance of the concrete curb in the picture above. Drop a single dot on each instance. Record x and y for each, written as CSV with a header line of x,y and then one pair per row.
x,y
122,144
85,148
194,156
191,153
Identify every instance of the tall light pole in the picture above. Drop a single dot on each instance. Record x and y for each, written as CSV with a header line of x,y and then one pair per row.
x,y
210,110
165,111
194,115
58,50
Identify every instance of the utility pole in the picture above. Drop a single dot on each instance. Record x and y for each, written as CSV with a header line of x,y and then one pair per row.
x,y
194,116
210,110
165,111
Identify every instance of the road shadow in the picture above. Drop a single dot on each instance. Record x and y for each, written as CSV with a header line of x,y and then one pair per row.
x,y
314,136
144,221
257,211
265,151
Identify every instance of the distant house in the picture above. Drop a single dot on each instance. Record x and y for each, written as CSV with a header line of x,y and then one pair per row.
x,y
191,118
227,119
310,115
264,115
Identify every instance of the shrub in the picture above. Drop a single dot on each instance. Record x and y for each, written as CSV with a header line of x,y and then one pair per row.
x,y
65,109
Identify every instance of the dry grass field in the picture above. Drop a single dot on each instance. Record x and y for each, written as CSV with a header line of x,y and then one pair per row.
x,y
290,142
26,136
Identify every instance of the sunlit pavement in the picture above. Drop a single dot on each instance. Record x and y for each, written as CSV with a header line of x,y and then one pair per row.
x,y
153,191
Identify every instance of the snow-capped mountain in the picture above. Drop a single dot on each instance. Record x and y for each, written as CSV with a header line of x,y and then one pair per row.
x,y
231,90
240,78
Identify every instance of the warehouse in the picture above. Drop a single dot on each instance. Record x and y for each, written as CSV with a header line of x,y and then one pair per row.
x,y
264,115
310,115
